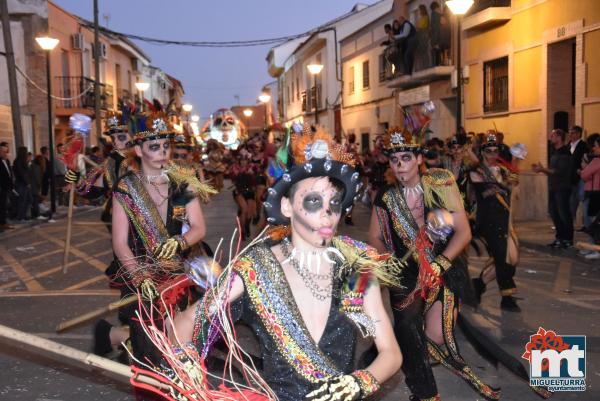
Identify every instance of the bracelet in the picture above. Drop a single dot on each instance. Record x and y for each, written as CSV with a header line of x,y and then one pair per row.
x,y
366,381
183,244
443,261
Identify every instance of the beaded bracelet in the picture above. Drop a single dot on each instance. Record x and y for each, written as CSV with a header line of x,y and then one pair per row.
x,y
367,382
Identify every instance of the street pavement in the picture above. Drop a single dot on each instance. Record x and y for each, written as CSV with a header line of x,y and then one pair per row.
x,y
558,290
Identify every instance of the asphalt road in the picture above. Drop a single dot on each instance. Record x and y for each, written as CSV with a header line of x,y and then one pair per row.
x,y
557,291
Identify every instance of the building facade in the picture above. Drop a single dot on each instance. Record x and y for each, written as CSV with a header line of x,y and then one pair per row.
x,y
533,66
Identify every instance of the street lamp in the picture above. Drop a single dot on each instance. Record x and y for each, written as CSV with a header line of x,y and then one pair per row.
x,y
315,69
195,118
142,87
47,44
264,99
187,107
248,113
458,8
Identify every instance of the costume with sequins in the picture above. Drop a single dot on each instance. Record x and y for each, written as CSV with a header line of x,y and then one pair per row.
x,y
292,362
401,235
493,222
147,232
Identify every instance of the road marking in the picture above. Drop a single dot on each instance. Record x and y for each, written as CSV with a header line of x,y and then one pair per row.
x,y
562,282
87,282
40,275
98,264
59,293
43,255
30,282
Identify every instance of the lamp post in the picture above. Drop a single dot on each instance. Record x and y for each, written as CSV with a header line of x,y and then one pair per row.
x,y
458,8
248,113
264,99
47,44
315,69
142,87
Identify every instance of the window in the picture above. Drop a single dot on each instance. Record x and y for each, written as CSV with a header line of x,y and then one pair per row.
x,y
297,88
287,94
293,91
495,85
351,81
365,74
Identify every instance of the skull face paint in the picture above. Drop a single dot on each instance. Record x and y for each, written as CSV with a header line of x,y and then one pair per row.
x,y
405,166
316,208
155,154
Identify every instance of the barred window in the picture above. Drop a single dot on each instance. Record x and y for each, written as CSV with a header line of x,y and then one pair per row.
x,y
351,81
495,85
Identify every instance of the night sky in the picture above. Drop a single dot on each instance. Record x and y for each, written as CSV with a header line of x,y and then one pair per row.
x,y
212,77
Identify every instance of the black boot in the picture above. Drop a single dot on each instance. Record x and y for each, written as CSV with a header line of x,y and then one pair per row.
x,y
102,345
479,287
509,304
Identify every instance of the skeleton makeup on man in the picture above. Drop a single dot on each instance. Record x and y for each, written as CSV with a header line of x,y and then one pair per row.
x,y
314,207
154,153
405,166
120,140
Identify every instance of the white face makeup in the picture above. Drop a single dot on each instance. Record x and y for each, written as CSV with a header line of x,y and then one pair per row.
x,y
314,211
120,140
490,154
155,153
405,166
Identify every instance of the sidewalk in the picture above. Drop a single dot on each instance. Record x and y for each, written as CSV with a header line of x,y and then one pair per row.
x,y
538,234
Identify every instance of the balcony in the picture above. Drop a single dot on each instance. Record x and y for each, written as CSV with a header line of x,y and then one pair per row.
x,y
125,95
71,87
308,102
486,14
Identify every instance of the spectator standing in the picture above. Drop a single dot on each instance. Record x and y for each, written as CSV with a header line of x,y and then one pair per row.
x,y
423,51
47,171
590,174
21,168
559,172
435,33
6,184
37,173
407,42
578,148
59,176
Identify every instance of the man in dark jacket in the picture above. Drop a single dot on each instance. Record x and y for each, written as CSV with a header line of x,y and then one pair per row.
x,y
559,172
578,148
6,184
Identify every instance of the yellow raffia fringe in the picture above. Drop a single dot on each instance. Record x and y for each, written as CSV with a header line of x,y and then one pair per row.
x,y
186,175
385,267
440,189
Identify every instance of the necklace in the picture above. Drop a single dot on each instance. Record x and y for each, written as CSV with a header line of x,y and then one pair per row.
x,y
309,278
412,191
152,180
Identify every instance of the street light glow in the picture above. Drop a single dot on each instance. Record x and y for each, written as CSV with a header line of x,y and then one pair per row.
x,y
459,7
187,107
195,118
264,98
142,86
46,42
314,69
248,113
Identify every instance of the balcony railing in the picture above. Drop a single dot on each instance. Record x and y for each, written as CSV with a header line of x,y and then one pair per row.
x,y
308,102
125,95
71,87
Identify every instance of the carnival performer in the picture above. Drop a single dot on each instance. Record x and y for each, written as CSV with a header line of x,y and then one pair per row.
x,y
306,293
183,155
493,182
99,182
436,276
152,202
243,175
215,166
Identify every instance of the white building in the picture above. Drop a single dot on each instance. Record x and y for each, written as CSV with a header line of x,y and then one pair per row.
x,y
288,63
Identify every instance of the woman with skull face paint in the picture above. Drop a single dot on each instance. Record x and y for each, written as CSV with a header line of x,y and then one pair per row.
x,y
151,204
243,174
306,293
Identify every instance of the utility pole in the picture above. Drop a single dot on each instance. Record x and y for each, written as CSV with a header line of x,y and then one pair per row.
x,y
12,75
97,111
